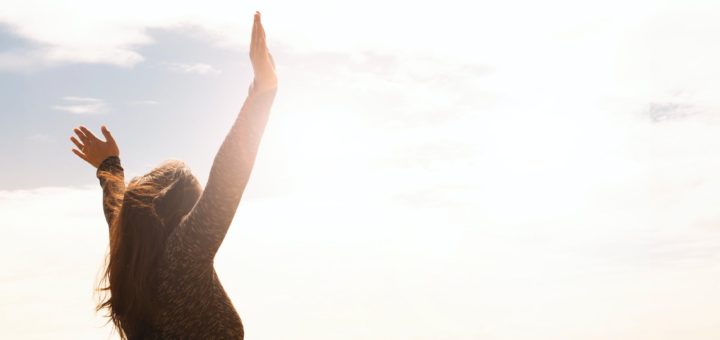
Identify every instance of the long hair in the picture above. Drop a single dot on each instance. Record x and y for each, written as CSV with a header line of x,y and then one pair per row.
x,y
152,206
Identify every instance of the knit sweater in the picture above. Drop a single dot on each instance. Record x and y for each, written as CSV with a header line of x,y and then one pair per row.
x,y
193,303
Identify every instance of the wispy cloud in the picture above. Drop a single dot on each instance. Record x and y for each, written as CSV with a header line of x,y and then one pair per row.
x,y
82,105
665,111
195,68
144,102
24,60
38,137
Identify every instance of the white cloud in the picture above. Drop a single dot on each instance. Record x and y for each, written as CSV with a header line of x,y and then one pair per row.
x,y
65,245
82,105
524,262
29,60
509,171
195,68
532,55
22,61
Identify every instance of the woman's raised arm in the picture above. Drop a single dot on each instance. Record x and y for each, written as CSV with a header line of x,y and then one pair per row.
x,y
112,180
104,156
201,232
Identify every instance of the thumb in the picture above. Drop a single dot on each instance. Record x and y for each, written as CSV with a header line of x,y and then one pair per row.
x,y
108,137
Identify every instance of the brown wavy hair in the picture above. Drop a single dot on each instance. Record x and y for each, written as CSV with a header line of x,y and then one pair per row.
x,y
152,206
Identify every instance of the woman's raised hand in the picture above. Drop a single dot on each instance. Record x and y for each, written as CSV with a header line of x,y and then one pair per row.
x,y
262,62
91,148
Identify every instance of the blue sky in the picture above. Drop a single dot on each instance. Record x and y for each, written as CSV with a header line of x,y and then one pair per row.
x,y
147,106
495,170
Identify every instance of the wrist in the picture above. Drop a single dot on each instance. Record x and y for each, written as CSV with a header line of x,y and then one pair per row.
x,y
262,86
109,163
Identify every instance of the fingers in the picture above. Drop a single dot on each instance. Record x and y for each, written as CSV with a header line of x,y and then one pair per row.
x,y
254,36
258,45
78,144
81,135
106,133
81,155
261,30
85,135
261,45
89,134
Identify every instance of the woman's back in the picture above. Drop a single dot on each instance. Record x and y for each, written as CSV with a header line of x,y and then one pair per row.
x,y
165,230
190,300
194,305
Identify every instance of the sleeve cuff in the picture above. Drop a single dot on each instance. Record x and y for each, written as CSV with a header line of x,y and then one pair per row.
x,y
110,164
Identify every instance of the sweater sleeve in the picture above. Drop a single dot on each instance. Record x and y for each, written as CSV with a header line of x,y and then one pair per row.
x,y
203,229
112,180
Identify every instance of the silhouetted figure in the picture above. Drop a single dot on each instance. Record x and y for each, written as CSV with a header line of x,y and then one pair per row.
x,y
165,229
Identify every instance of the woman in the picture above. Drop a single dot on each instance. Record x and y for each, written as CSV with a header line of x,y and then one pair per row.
x,y
165,229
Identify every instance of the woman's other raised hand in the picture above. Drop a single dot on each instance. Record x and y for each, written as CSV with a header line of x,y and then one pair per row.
x,y
92,149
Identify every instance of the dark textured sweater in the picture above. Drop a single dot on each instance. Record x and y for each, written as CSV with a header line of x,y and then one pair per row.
x,y
193,303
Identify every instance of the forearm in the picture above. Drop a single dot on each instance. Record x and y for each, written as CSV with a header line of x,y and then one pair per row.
x,y
206,225
235,159
112,180
240,147
201,232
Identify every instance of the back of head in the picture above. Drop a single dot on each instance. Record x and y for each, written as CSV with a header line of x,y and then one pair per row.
x,y
152,206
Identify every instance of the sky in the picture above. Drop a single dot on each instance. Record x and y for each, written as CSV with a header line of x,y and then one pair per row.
x,y
455,170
